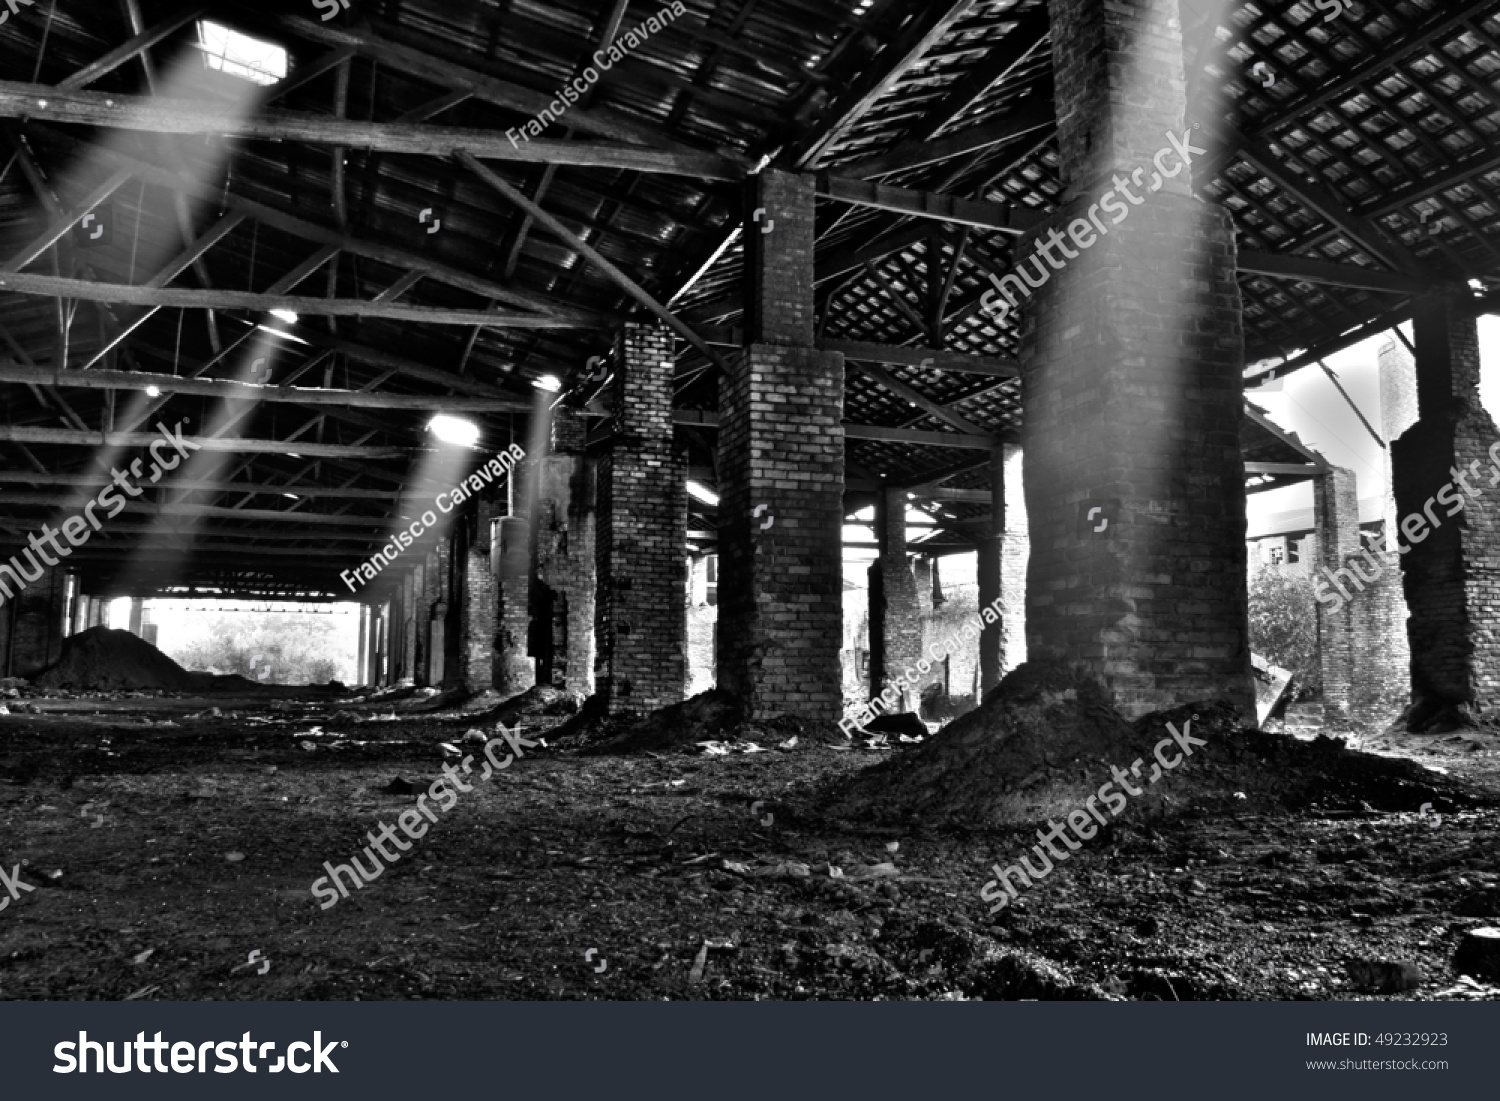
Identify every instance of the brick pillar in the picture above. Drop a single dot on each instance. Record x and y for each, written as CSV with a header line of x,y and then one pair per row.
x,y
515,668
1452,575
991,580
895,623
137,617
922,572
101,612
564,521
781,462
37,616
477,606
1132,353
439,635
361,662
1014,557
640,620
410,590
1336,526
82,609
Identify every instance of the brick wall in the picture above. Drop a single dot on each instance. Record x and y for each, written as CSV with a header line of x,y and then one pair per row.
x,y
641,534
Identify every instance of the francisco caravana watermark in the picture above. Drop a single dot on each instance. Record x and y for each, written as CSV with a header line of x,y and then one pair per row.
x,y
1412,527
1002,891
605,60
402,540
79,529
890,696
1082,233
411,822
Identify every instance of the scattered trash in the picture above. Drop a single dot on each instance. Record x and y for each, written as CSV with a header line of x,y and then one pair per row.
x,y
474,734
143,992
143,957
234,858
790,743
309,746
450,750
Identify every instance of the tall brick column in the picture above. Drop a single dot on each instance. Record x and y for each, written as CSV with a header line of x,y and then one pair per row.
x,y
1014,557
37,617
1452,576
991,580
515,668
564,521
640,620
895,624
478,606
1132,353
781,477
1343,569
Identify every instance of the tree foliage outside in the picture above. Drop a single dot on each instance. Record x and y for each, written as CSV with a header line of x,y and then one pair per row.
x,y
270,647
1284,625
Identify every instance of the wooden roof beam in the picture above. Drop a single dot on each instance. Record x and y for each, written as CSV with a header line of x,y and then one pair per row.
x,y
214,299
155,114
584,249
246,391
395,255
1005,217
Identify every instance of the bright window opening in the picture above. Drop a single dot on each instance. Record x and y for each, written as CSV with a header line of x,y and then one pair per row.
x,y
240,55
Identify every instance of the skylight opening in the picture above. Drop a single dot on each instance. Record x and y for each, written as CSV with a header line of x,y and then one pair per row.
x,y
239,55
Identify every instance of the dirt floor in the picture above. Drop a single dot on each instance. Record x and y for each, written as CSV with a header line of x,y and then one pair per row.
x,y
171,849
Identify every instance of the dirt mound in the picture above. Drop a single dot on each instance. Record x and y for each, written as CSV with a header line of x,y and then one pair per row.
x,y
1046,741
100,659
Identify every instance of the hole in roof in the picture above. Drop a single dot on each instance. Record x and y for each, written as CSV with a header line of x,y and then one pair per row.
x,y
239,55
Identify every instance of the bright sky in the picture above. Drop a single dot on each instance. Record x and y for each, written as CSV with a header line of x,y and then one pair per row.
x,y
1310,406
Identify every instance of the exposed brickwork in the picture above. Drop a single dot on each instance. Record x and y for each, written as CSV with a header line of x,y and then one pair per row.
x,y
779,588
565,556
895,629
779,306
515,667
479,604
991,576
1014,556
35,616
1119,87
1361,635
1132,360
641,535
440,648
1452,577
1132,379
